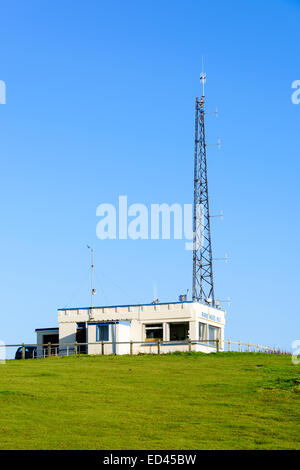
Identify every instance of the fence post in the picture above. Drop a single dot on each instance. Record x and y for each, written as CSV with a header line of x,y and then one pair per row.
x,y
131,347
158,346
218,345
190,344
23,351
75,348
49,349
257,347
239,346
102,348
229,343
248,347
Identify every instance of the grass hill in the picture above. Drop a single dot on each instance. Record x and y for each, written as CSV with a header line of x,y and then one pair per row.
x,y
178,401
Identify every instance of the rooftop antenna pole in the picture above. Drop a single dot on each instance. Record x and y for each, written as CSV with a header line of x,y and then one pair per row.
x,y
93,291
203,78
203,282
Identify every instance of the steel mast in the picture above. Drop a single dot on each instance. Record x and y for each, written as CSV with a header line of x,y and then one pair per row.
x,y
93,291
203,281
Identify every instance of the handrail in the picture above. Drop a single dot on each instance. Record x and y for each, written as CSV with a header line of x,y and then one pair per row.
x,y
77,348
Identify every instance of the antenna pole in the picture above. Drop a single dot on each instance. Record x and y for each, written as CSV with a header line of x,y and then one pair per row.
x,y
93,291
92,278
203,77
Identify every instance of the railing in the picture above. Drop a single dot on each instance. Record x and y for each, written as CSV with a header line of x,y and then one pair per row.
x,y
135,347
109,347
240,346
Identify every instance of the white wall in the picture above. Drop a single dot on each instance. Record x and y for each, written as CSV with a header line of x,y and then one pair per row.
x,y
67,334
123,334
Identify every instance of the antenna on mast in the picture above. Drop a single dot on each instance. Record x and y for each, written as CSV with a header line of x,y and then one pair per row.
x,y
93,291
203,77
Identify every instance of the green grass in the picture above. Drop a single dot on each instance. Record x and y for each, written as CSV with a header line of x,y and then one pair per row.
x,y
178,401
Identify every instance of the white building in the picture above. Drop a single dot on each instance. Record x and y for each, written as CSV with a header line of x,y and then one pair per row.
x,y
147,328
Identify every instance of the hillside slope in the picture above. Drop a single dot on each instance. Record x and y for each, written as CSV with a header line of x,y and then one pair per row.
x,y
179,401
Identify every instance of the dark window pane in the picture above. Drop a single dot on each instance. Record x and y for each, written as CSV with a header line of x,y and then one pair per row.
x,y
154,332
102,333
179,331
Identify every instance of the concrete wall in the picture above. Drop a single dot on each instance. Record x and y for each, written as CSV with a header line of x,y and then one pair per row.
x,y
67,334
166,348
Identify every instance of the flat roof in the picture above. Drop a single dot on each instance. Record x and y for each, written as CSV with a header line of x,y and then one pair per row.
x,y
132,305
46,329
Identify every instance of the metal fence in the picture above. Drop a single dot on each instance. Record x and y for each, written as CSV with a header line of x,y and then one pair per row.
x,y
26,351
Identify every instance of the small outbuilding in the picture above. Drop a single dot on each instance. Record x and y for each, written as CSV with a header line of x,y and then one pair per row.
x,y
45,336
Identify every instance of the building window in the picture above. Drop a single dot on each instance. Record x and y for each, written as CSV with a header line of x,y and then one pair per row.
x,y
202,331
213,334
179,331
154,332
102,333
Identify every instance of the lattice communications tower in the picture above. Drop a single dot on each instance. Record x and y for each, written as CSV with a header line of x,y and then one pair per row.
x,y
203,280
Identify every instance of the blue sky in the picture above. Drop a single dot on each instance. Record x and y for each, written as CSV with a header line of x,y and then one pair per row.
x,y
100,103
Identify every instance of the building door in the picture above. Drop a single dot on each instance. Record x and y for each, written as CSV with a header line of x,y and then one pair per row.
x,y
81,338
213,335
54,340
